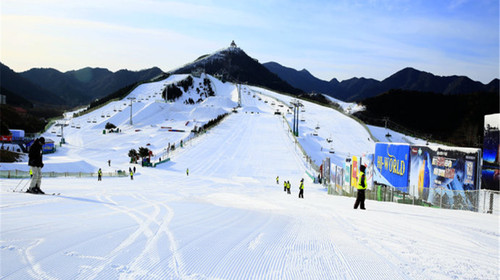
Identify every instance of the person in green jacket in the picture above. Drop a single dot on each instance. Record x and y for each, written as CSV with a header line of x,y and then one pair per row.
x,y
288,186
301,188
360,199
99,175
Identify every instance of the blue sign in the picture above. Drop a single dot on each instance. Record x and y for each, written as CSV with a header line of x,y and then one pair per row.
x,y
391,161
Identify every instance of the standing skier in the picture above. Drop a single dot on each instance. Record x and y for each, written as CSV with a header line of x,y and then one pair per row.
x,y
187,172
131,174
36,163
288,186
99,175
301,188
360,199
277,180
284,186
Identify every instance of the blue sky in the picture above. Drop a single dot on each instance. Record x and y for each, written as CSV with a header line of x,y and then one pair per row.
x,y
331,39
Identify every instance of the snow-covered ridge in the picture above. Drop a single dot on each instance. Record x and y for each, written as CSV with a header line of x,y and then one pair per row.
x,y
220,54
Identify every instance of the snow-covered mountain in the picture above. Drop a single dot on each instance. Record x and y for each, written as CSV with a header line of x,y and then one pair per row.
x,y
216,209
233,64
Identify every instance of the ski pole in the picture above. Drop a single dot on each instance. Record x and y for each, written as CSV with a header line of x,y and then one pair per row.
x,y
25,184
18,184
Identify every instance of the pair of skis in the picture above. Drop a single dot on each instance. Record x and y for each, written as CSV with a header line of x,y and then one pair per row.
x,y
24,186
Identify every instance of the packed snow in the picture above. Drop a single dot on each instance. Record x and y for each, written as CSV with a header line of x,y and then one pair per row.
x,y
228,218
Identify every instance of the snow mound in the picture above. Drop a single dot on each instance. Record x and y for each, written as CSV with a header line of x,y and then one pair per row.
x,y
206,113
219,101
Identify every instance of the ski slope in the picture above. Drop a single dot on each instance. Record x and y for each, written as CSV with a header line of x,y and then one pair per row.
x,y
227,219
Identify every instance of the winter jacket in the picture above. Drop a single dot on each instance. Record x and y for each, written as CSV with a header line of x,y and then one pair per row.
x,y
361,182
35,154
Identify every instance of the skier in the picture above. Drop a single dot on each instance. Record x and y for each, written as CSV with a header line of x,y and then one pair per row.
x,y
109,162
288,186
131,175
31,173
360,199
301,188
99,175
134,169
187,172
36,163
284,186
277,180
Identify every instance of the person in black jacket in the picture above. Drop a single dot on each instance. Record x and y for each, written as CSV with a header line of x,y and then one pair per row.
x,y
36,163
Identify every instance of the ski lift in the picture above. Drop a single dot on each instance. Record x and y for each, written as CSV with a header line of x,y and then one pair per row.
x,y
331,151
53,131
88,120
303,120
388,135
329,140
77,126
107,115
317,126
315,133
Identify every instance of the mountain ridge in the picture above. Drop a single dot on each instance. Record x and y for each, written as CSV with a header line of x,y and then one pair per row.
x,y
78,87
357,89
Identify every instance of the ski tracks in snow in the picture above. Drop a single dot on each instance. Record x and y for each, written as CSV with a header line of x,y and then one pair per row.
x,y
158,257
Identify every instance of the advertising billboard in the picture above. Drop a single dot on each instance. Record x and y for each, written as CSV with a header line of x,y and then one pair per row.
x,y
354,171
442,175
491,153
391,162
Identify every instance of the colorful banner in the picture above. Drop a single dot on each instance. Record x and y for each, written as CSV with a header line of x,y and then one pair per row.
x,y
491,153
347,173
354,171
441,175
391,162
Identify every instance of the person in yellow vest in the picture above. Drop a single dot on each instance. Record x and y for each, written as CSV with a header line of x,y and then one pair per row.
x,y
301,188
360,199
99,175
131,175
288,186
187,172
284,186
31,173
277,180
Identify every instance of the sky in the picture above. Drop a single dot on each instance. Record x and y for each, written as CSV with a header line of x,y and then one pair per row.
x,y
331,39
